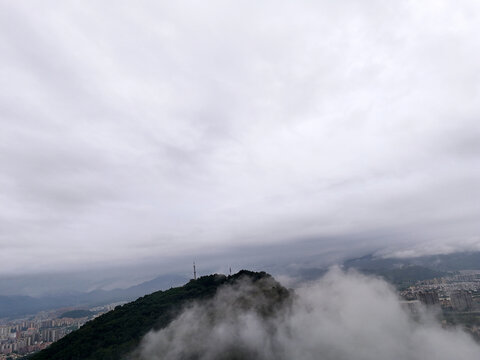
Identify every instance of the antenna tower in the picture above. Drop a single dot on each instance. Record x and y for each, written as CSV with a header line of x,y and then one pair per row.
x,y
194,272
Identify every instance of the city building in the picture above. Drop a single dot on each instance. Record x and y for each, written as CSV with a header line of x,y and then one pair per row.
x,y
461,300
428,297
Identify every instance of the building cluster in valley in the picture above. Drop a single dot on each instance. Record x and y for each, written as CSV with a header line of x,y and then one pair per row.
x,y
458,296
460,292
25,336
30,336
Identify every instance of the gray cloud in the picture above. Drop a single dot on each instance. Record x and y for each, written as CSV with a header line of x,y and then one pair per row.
x,y
343,316
149,131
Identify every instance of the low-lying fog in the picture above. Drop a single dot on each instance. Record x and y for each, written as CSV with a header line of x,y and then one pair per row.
x,y
345,315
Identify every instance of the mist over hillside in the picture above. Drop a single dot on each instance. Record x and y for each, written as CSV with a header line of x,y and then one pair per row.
x,y
345,315
118,332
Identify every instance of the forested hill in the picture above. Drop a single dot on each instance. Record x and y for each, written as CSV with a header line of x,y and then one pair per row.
x,y
118,332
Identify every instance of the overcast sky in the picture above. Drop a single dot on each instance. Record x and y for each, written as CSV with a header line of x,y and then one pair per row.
x,y
132,131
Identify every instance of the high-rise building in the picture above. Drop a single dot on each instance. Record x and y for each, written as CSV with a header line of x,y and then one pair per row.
x,y
461,300
428,297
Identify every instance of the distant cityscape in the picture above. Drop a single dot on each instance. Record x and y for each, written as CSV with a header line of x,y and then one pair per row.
x,y
25,336
458,296
458,292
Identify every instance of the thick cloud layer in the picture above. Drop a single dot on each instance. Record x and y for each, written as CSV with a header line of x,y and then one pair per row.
x,y
135,131
342,317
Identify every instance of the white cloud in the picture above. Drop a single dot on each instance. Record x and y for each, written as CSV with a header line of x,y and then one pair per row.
x,y
151,130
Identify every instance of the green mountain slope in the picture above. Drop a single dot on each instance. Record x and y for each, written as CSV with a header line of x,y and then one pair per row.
x,y
117,333
400,272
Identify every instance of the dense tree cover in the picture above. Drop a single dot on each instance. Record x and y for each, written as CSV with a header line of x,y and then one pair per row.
x,y
405,276
76,314
441,263
116,333
401,272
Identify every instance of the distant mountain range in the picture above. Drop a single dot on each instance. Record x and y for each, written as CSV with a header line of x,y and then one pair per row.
x,y
20,305
404,272
444,263
400,272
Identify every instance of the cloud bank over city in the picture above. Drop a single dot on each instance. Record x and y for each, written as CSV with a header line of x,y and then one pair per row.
x,y
343,316
132,132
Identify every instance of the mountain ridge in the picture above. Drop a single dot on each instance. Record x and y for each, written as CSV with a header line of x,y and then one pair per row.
x,y
22,305
117,333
